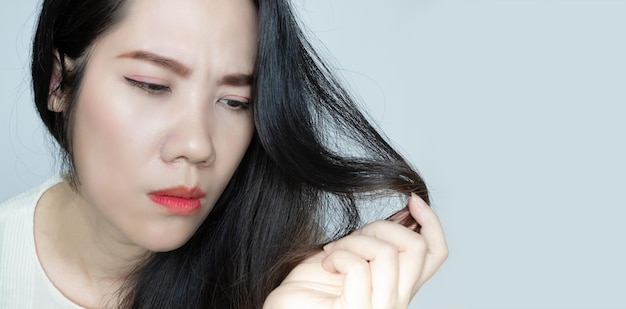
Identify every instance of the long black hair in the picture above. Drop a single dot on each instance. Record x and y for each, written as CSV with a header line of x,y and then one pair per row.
x,y
314,156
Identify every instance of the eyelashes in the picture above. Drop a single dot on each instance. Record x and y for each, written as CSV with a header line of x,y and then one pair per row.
x,y
150,88
235,104
158,89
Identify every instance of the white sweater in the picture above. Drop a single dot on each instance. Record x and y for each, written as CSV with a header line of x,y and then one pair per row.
x,y
23,283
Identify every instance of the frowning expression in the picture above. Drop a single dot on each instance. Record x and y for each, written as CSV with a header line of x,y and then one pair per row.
x,y
163,116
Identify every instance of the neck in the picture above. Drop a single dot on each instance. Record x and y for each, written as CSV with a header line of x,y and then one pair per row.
x,y
85,257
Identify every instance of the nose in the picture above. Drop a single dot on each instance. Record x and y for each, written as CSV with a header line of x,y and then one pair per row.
x,y
189,139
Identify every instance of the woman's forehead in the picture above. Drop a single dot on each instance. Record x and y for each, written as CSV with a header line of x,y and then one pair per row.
x,y
194,32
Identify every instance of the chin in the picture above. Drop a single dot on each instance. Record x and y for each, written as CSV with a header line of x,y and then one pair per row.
x,y
165,246
164,243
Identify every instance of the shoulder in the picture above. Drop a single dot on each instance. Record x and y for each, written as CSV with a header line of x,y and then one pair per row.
x,y
26,201
23,283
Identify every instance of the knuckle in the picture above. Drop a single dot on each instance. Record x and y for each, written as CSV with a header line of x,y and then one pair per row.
x,y
418,244
444,254
388,251
360,266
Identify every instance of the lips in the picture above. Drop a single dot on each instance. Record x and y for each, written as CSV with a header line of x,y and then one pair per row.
x,y
180,201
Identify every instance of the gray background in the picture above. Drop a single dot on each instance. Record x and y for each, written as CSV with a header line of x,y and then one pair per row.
x,y
512,110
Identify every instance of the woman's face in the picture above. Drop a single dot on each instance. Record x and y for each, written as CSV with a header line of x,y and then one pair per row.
x,y
162,118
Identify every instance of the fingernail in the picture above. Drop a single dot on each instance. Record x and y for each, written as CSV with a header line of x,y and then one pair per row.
x,y
415,197
329,246
420,202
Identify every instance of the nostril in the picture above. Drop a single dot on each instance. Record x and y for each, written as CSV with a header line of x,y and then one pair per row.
x,y
188,142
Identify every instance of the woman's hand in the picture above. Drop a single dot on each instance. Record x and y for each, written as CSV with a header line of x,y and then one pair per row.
x,y
381,265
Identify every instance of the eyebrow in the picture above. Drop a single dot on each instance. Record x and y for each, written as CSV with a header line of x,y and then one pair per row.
x,y
238,80
167,63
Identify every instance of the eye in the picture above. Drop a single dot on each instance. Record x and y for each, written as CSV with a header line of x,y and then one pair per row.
x,y
235,104
150,88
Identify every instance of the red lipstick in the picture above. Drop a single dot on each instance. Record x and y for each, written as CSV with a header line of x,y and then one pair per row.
x,y
180,201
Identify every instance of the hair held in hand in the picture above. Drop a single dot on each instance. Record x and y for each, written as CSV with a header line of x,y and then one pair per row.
x,y
313,155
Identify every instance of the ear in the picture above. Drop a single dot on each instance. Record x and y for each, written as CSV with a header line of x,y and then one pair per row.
x,y
55,95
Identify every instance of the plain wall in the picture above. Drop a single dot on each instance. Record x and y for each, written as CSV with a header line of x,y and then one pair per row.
x,y
513,111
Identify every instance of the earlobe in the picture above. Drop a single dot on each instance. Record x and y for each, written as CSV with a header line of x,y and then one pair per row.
x,y
55,103
55,95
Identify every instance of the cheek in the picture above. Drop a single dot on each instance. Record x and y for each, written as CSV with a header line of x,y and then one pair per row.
x,y
231,137
111,140
231,140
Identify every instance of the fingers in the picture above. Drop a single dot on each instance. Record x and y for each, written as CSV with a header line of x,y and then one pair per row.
x,y
433,235
412,249
381,258
357,287
386,262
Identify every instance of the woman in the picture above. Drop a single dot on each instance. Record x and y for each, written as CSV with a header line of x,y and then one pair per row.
x,y
207,148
